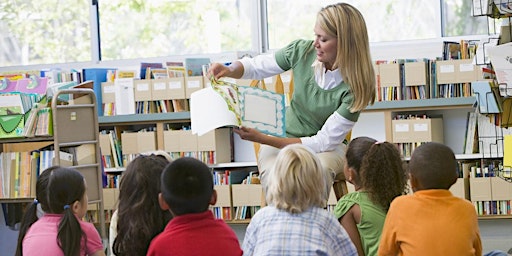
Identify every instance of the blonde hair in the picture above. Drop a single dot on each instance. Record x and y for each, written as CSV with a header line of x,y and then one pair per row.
x,y
353,58
298,180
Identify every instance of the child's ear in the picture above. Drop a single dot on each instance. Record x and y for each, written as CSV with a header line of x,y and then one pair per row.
x,y
213,199
76,206
163,205
414,182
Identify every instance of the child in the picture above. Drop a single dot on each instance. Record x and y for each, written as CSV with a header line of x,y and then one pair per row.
x,y
187,192
295,221
138,218
431,221
36,209
60,231
376,171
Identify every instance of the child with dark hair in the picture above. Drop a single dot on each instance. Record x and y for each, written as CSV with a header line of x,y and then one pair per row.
x,y
36,209
187,192
376,171
431,221
60,231
138,217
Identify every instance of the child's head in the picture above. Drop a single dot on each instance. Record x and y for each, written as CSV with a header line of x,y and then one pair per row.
x,y
376,167
187,187
139,215
32,212
67,192
432,166
66,195
298,180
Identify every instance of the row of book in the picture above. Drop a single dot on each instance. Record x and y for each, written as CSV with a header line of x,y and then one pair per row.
x,y
209,148
409,79
19,171
489,208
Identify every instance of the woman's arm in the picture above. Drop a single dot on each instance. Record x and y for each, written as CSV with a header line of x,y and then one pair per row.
x,y
331,135
259,67
349,221
256,136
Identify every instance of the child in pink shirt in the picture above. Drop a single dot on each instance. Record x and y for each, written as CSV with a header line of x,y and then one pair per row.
x,y
60,231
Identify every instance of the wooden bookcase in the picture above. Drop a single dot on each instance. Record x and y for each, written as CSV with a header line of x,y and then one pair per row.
x,y
74,125
377,121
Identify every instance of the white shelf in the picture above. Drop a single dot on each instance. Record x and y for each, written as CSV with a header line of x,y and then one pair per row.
x,y
233,165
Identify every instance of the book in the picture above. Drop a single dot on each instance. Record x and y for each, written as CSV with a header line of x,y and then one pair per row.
x,y
145,66
97,75
485,97
471,141
227,104
194,66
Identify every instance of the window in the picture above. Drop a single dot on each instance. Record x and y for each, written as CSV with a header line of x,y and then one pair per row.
x,y
386,20
44,32
161,28
459,21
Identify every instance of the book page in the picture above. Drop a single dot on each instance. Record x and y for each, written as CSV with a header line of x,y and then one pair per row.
x,y
263,110
209,111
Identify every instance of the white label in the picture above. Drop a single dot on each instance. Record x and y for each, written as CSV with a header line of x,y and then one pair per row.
x,y
142,87
174,85
466,67
193,84
401,127
159,86
447,68
420,127
109,89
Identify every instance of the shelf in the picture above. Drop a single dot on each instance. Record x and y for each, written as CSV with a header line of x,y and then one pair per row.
x,y
17,200
423,104
238,222
114,169
24,139
144,118
233,165
493,217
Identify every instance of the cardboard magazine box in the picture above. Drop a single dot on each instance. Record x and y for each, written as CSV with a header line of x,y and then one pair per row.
x,y
461,188
192,84
500,189
218,141
223,196
417,130
143,90
480,189
159,89
247,195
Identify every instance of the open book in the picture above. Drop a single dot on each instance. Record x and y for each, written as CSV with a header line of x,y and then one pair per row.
x,y
227,104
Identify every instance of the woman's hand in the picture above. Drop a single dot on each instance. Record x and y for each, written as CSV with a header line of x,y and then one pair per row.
x,y
217,71
249,134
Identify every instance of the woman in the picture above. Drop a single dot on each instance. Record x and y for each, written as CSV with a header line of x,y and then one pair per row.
x,y
333,81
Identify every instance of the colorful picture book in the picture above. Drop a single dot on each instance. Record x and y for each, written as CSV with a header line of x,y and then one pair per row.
x,y
227,104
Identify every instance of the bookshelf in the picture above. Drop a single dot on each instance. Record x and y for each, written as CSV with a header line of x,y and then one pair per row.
x,y
74,128
454,111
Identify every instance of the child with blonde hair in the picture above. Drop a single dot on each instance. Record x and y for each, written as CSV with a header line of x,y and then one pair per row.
x,y
295,221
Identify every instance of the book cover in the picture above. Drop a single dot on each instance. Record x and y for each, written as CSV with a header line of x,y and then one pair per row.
x,y
194,66
144,67
227,104
485,97
97,75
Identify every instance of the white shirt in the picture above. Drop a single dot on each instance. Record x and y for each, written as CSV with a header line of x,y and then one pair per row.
x,y
335,128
